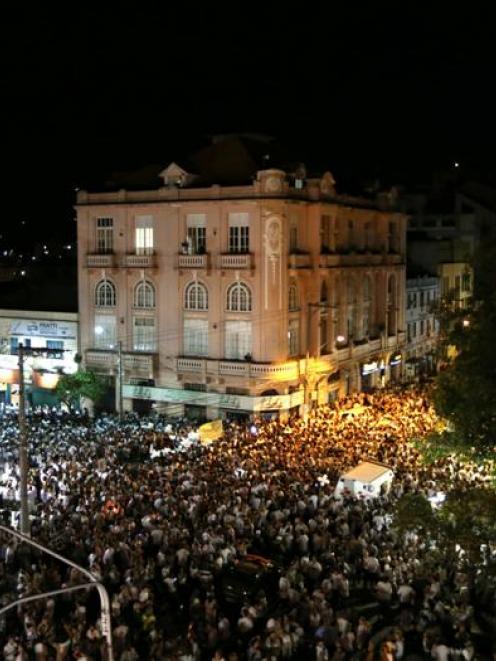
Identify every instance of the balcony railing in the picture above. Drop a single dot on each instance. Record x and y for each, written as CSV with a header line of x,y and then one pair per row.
x,y
100,261
190,364
235,261
260,371
193,261
134,363
300,261
139,261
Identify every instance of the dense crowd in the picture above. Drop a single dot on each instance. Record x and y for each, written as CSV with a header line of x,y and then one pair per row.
x,y
158,517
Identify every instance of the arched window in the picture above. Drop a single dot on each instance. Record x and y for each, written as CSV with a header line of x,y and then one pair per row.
x,y
105,296
293,297
196,297
239,298
144,295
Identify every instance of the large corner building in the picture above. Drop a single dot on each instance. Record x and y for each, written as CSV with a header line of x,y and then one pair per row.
x,y
236,285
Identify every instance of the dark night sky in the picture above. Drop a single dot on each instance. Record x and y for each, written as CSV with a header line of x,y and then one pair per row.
x,y
390,89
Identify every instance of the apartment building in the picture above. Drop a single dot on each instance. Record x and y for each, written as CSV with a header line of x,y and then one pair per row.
x,y
422,296
259,296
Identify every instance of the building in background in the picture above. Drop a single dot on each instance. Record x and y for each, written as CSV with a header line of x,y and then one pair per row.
x,y
236,285
422,296
39,330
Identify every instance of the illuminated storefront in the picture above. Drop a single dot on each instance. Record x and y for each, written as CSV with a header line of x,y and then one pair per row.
x,y
51,342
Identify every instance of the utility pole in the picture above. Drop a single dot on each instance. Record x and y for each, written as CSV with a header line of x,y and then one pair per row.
x,y
119,379
23,447
306,392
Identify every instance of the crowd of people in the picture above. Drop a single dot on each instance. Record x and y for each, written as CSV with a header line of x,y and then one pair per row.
x,y
158,517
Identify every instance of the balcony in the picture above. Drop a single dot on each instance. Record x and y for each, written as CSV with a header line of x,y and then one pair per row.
x,y
236,261
241,369
193,261
134,261
134,363
100,261
101,360
300,261
190,364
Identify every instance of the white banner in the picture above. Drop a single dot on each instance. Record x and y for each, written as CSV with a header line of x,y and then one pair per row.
x,y
32,328
238,402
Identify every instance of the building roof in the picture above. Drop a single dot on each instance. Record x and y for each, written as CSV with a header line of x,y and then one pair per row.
x,y
482,194
367,471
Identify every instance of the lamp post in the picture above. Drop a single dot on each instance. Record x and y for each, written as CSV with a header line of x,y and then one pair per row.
x,y
106,620
23,446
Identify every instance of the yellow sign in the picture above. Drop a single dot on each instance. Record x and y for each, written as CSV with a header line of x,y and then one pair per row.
x,y
210,431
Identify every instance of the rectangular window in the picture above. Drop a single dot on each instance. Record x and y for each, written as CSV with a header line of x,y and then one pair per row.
x,y
293,238
368,236
195,337
56,347
238,340
144,334
294,337
144,235
105,331
366,320
414,329
422,299
14,345
325,233
239,239
239,233
323,334
409,332
196,227
104,235
466,285
422,327
446,285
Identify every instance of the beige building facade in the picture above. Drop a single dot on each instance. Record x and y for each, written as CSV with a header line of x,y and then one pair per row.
x,y
257,299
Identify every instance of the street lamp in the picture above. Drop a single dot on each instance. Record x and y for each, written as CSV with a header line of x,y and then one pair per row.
x,y
106,621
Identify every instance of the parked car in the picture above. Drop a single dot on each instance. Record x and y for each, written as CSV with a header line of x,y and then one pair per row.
x,y
246,578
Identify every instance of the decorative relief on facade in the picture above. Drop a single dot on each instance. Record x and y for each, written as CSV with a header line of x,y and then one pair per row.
x,y
273,263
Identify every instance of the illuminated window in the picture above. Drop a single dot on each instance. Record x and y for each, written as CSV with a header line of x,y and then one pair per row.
x,y
237,340
144,295
105,296
196,297
195,337
239,298
144,333
105,331
144,235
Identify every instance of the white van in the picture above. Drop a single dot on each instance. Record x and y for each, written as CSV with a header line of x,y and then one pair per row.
x,y
365,480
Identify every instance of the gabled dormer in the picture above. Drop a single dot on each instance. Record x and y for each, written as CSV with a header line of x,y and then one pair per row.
x,y
175,175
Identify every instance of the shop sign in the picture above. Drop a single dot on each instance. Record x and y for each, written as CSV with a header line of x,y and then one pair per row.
x,y
32,328
396,359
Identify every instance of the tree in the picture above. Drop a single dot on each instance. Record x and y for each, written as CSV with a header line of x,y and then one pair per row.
x,y
465,390
71,387
463,527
